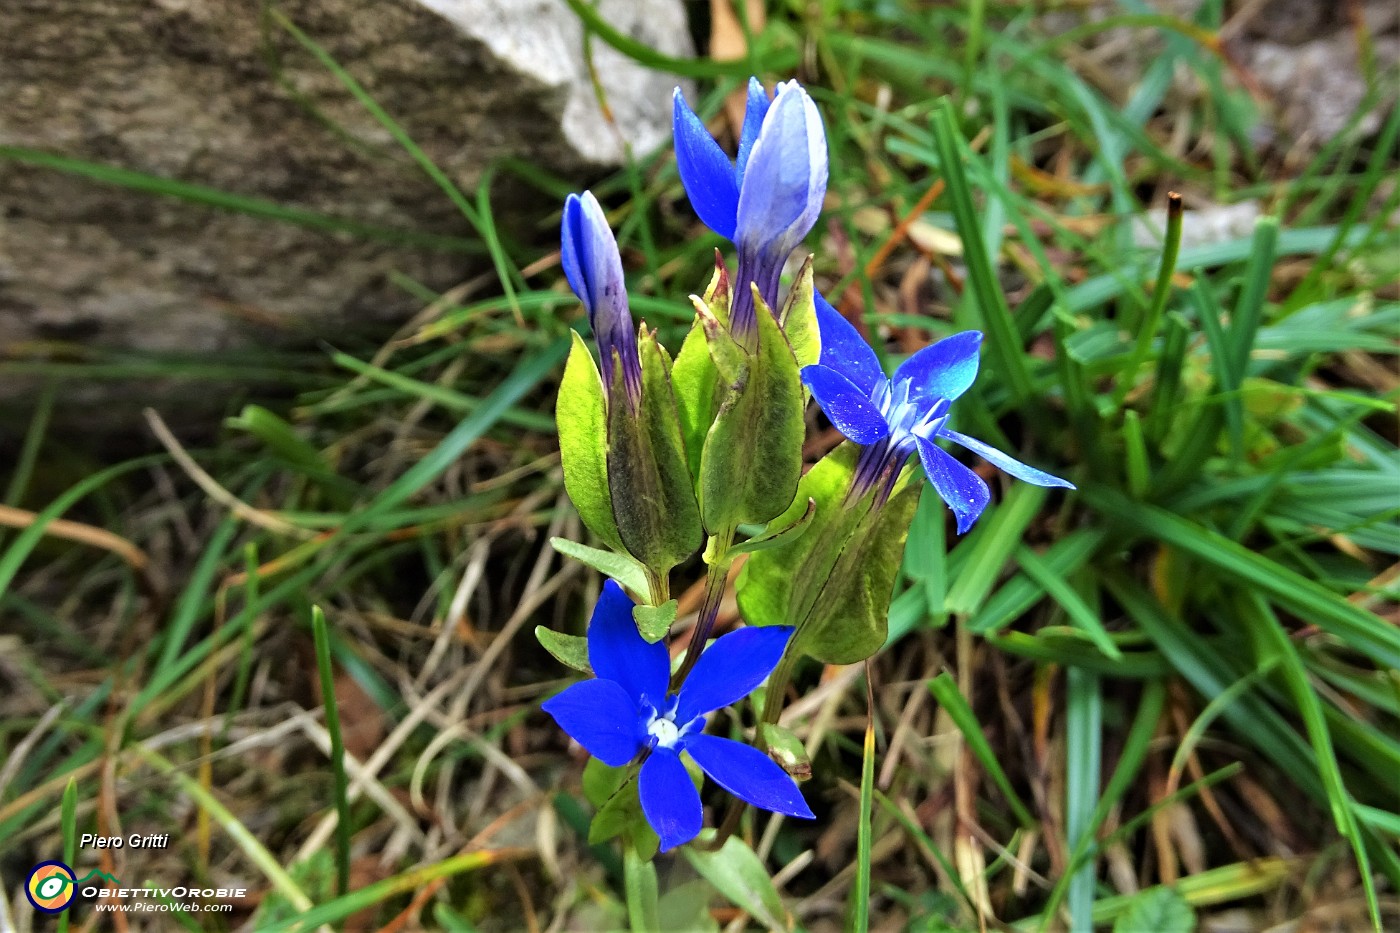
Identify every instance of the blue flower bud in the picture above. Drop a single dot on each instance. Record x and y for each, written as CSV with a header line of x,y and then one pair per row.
x,y
767,201
594,270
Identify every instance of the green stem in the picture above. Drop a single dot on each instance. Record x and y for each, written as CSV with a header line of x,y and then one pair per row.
x,y
716,581
658,587
777,688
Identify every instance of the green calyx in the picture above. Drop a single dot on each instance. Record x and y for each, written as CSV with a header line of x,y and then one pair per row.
x,y
653,500
752,458
834,582
581,414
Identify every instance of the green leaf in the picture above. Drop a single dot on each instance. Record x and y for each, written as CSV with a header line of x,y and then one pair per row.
x,y
782,534
639,880
834,583
739,874
654,621
620,567
1159,909
799,318
686,908
787,750
583,443
601,781
622,816
753,455
568,650
653,498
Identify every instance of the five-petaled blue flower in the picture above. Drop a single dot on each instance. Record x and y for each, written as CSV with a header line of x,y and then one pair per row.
x,y
893,418
769,198
594,270
628,711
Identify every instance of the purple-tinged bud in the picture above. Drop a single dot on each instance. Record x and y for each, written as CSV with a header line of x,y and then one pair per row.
x,y
784,184
766,201
594,270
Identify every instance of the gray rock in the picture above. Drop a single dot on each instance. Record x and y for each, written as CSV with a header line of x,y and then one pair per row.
x,y
204,92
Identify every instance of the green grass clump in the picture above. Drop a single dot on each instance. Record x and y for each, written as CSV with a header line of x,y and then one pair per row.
x,y
1171,692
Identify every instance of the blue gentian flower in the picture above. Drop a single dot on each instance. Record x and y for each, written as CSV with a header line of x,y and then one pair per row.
x,y
594,270
893,418
769,198
627,711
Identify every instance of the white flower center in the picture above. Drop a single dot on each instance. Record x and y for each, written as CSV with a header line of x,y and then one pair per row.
x,y
664,731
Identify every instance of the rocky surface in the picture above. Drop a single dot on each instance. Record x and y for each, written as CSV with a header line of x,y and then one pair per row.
x,y
1300,59
1306,57
205,92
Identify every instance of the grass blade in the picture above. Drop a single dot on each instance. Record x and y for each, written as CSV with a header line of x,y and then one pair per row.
x,y
342,787
1084,724
1005,345
945,690
860,891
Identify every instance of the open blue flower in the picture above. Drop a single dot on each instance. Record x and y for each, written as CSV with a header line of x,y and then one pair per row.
x,y
594,270
768,199
893,418
627,710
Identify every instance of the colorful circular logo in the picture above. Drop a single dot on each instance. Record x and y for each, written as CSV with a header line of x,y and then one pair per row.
x,y
50,887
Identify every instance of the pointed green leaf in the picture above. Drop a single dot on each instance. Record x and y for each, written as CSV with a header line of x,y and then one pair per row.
x,y
583,443
653,499
620,567
568,650
601,781
639,882
739,874
621,815
685,908
778,536
655,621
753,454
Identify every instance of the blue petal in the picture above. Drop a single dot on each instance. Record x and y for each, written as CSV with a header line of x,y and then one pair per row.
x,y
785,178
754,113
958,486
845,350
709,178
1004,462
669,800
847,405
748,774
618,652
730,669
571,237
600,716
944,370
